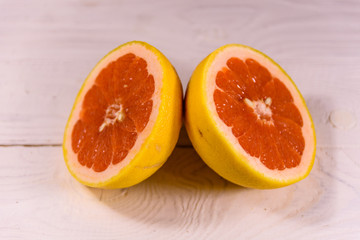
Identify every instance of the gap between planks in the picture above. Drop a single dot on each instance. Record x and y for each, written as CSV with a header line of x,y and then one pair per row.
x,y
30,145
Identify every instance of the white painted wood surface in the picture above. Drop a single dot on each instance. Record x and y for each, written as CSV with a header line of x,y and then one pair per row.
x,y
48,47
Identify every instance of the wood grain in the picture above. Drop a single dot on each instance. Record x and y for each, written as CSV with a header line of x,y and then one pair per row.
x,y
48,48
183,200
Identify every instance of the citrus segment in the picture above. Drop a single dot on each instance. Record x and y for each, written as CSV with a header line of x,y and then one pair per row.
x,y
120,102
249,122
258,103
118,115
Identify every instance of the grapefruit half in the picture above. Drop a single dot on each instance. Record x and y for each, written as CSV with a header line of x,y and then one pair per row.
x,y
126,118
247,120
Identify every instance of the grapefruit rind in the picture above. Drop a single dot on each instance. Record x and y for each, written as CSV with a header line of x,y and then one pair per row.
x,y
155,144
214,141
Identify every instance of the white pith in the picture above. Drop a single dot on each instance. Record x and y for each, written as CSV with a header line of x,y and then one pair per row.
x,y
244,53
154,68
261,108
115,116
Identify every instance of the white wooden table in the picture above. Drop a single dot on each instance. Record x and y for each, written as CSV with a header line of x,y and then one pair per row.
x,y
48,47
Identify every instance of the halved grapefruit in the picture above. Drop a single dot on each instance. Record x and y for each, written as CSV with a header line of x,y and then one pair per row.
x,y
247,120
126,118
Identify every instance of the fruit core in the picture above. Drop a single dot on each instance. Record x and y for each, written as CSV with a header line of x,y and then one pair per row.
x,y
113,113
115,110
261,113
261,109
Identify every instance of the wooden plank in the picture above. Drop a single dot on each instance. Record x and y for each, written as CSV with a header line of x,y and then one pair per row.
x,y
183,200
47,49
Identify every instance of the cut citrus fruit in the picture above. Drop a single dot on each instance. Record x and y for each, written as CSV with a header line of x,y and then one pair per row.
x,y
126,118
247,120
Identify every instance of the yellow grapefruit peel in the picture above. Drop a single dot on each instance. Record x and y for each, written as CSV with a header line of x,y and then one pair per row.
x,y
163,136
212,144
